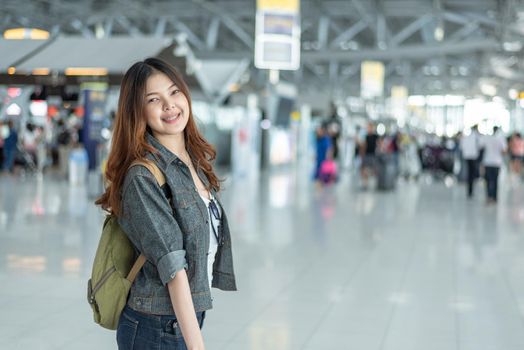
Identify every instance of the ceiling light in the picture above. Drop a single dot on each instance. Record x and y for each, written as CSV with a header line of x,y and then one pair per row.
x,y
40,71
26,33
436,100
416,100
234,87
86,71
439,33
512,46
488,89
180,51
454,100
99,31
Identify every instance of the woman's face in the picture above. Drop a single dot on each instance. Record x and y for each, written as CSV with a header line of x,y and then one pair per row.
x,y
166,107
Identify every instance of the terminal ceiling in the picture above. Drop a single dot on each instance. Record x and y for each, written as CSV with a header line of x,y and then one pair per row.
x,y
431,46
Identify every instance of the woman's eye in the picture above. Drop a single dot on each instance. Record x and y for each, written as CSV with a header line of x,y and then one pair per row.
x,y
151,100
174,92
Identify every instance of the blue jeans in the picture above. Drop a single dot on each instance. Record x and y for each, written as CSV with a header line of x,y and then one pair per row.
x,y
9,159
139,331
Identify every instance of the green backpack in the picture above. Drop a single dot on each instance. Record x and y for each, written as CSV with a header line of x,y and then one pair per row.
x,y
113,268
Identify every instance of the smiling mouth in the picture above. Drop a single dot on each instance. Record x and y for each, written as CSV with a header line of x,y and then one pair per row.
x,y
170,119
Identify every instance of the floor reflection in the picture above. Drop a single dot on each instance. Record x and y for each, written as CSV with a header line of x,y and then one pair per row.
x,y
329,267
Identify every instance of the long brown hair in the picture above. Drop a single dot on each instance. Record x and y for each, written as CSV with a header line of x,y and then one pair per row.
x,y
129,134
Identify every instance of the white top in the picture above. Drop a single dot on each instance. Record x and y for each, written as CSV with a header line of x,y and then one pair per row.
x,y
470,145
213,243
494,148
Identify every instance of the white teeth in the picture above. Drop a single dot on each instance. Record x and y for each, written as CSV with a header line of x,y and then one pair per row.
x,y
171,118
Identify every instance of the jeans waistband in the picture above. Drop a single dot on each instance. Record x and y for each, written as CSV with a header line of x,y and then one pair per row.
x,y
156,321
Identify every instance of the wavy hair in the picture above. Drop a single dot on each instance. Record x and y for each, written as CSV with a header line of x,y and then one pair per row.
x,y
129,134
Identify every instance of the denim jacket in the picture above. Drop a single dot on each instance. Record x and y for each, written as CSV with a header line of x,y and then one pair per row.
x,y
170,226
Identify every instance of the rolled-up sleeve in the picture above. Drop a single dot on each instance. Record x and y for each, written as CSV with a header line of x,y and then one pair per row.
x,y
148,220
170,264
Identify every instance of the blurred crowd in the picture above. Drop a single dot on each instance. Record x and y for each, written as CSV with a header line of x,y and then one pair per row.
x,y
387,156
26,147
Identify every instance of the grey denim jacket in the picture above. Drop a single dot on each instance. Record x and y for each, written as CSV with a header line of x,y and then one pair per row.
x,y
169,225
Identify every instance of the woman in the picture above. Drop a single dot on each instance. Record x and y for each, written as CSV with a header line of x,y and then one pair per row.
x,y
181,228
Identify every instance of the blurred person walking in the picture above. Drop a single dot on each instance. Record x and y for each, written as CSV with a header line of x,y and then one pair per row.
x,y
368,150
470,147
357,141
41,149
334,127
10,147
328,170
63,140
494,148
180,228
323,146
29,142
516,152
410,160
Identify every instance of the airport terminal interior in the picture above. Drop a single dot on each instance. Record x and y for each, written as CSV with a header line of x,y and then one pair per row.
x,y
370,152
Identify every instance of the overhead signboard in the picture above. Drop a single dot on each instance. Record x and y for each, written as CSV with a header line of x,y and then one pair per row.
x,y
95,96
277,40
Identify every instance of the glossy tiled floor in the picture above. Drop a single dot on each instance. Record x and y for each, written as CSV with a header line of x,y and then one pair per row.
x,y
317,268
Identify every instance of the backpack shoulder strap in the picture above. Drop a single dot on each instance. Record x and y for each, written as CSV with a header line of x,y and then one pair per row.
x,y
136,267
153,168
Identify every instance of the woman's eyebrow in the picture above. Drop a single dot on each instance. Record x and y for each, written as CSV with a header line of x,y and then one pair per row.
x,y
152,93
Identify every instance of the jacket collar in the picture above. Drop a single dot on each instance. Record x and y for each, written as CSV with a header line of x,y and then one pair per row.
x,y
169,157
166,155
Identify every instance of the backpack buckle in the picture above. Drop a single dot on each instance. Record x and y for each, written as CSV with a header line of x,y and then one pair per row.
x,y
90,296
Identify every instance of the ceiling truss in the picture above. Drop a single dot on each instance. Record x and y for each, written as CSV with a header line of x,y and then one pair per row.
x,y
337,35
